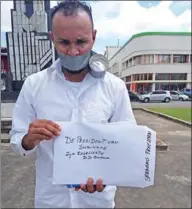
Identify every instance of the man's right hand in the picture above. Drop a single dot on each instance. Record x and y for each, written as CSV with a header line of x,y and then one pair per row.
x,y
38,131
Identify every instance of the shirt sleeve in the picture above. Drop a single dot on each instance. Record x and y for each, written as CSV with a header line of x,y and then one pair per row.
x,y
123,110
23,115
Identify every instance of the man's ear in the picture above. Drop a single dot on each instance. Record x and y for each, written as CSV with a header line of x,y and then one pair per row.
x,y
94,34
51,36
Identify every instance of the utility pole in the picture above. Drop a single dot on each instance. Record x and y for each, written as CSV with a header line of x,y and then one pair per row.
x,y
118,42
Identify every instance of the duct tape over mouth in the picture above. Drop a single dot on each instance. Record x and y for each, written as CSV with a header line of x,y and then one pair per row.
x,y
98,65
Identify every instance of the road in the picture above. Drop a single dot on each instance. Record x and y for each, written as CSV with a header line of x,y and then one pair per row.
x,y
172,187
6,108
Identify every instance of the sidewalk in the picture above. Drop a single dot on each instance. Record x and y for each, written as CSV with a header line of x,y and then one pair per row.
x,y
173,172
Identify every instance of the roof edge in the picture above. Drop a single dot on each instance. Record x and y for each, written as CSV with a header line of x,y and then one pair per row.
x,y
152,34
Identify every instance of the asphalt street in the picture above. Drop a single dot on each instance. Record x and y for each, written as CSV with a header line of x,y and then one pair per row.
x,y
172,188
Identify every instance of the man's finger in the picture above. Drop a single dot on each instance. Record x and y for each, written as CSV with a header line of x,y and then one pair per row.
x,y
51,123
99,185
90,186
41,137
83,187
41,131
48,127
52,129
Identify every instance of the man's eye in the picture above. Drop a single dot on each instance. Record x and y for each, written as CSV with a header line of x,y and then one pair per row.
x,y
81,42
64,42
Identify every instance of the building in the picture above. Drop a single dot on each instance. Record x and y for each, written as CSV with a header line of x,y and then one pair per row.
x,y
4,67
29,47
154,61
110,51
4,61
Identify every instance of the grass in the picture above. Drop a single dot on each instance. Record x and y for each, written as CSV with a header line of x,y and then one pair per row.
x,y
180,113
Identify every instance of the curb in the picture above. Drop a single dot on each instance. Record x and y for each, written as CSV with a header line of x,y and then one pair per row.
x,y
176,120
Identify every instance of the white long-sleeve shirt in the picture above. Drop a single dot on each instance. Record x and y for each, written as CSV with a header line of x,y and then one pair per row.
x,y
48,95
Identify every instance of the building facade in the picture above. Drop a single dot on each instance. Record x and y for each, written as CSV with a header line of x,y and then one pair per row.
x,y
29,46
4,68
154,61
111,50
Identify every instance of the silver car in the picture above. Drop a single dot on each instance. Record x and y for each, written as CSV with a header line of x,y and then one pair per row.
x,y
157,96
179,96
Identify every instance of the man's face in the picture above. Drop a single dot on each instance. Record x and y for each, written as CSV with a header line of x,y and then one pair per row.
x,y
72,35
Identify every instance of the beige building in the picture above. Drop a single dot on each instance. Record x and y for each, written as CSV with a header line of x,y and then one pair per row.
x,y
154,60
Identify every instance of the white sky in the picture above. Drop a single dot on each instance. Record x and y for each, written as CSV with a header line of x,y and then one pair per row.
x,y
132,18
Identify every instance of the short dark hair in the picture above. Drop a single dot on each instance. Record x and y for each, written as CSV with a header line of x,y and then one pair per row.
x,y
71,7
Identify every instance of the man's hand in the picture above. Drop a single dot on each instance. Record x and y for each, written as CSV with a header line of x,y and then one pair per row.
x,y
38,131
90,187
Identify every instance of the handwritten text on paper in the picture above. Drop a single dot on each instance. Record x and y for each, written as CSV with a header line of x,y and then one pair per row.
x,y
120,154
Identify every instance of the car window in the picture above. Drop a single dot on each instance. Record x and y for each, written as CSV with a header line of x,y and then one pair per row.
x,y
160,92
172,92
187,90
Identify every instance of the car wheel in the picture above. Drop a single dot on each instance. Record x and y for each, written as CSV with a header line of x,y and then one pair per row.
x,y
167,99
181,99
146,100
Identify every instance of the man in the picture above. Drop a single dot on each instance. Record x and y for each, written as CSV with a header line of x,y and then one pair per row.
x,y
67,91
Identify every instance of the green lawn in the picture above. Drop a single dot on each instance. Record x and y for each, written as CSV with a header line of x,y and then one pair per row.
x,y
180,113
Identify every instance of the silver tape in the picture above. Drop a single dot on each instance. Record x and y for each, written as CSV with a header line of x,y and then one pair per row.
x,y
98,65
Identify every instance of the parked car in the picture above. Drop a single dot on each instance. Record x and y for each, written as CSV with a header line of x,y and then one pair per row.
x,y
187,91
134,96
158,95
179,96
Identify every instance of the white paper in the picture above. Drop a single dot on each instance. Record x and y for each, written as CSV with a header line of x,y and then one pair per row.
x,y
118,153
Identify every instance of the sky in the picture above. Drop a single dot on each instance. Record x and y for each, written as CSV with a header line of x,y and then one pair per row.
x,y
115,20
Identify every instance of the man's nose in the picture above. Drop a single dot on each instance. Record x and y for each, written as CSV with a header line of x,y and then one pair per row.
x,y
73,51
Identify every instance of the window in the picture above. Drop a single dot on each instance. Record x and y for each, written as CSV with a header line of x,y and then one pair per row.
x,y
141,77
180,58
171,76
143,88
130,62
159,92
114,67
173,93
123,65
170,86
127,64
188,90
149,59
128,86
138,60
164,58
150,76
128,79
2,65
178,76
162,76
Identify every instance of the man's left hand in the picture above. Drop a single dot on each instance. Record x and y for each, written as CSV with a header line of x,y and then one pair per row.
x,y
90,187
